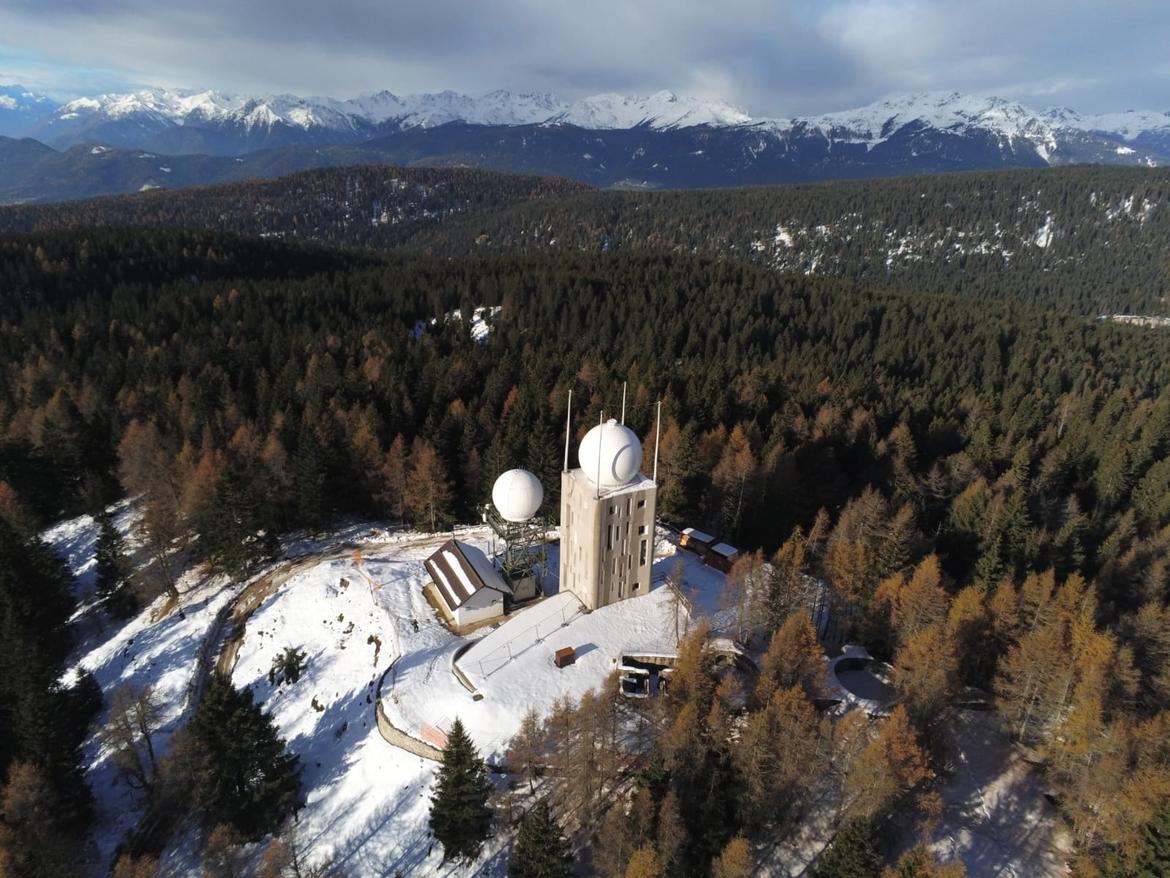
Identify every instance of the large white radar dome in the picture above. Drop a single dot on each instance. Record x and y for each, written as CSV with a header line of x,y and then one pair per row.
x,y
610,455
517,495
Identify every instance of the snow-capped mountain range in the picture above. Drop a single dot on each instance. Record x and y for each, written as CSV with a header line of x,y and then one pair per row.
x,y
659,140
161,109
125,115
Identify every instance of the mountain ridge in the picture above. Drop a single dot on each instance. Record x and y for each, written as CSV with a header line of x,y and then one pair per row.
x,y
363,115
105,145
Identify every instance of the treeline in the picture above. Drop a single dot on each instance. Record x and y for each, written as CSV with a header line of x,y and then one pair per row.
x,y
1082,239
1087,240
361,206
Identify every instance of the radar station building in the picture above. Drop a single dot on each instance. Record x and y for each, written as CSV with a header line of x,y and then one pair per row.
x,y
607,519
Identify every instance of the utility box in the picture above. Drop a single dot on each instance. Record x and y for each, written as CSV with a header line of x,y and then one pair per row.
x,y
562,658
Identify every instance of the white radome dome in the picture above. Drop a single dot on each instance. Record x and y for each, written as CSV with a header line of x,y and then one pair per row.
x,y
517,495
616,447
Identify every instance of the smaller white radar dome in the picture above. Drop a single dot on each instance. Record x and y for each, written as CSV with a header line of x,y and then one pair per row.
x,y
610,455
517,495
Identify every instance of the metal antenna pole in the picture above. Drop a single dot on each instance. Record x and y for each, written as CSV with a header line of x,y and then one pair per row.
x,y
624,383
601,433
657,435
568,427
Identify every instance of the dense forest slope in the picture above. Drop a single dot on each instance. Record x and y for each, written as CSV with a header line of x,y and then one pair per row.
x,y
928,446
203,335
366,205
1088,240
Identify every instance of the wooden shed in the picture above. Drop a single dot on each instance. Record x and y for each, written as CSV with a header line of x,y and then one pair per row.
x,y
721,556
695,540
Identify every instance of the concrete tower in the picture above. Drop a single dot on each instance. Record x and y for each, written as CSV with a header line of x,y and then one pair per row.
x,y
607,518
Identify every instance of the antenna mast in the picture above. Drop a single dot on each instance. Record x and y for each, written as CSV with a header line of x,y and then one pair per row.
x,y
601,424
657,435
624,383
568,427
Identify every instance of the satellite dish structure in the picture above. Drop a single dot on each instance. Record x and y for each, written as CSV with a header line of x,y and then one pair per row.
x,y
610,455
517,495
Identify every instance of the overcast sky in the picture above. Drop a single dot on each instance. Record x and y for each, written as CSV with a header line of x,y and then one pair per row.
x,y
774,57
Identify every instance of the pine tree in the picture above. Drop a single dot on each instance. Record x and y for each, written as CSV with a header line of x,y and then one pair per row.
x,y
129,866
393,478
428,493
525,749
644,863
309,480
672,832
287,666
793,658
112,577
541,850
853,854
460,817
735,861
920,862
232,530
34,842
244,776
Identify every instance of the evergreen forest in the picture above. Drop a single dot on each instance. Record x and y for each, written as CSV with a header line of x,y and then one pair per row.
x,y
974,462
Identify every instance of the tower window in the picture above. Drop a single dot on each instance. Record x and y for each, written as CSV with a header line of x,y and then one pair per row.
x,y
642,555
641,504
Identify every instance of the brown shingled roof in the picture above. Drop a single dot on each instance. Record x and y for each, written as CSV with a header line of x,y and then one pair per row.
x,y
459,571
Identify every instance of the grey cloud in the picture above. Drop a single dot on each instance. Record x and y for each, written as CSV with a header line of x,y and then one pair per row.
x,y
777,57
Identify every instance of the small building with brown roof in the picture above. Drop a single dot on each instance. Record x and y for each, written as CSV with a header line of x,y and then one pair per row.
x,y
466,583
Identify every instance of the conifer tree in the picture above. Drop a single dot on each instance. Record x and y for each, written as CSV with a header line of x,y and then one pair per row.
x,y
460,816
309,480
920,862
541,850
525,750
793,658
428,493
735,860
393,478
644,863
244,776
853,854
34,842
232,529
112,578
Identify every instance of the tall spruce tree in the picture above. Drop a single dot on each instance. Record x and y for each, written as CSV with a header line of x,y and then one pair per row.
x,y
541,850
309,498
232,529
244,776
113,579
460,816
853,854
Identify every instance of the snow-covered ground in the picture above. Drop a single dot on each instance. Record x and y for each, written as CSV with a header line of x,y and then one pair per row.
x,y
367,801
141,652
357,614
996,819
